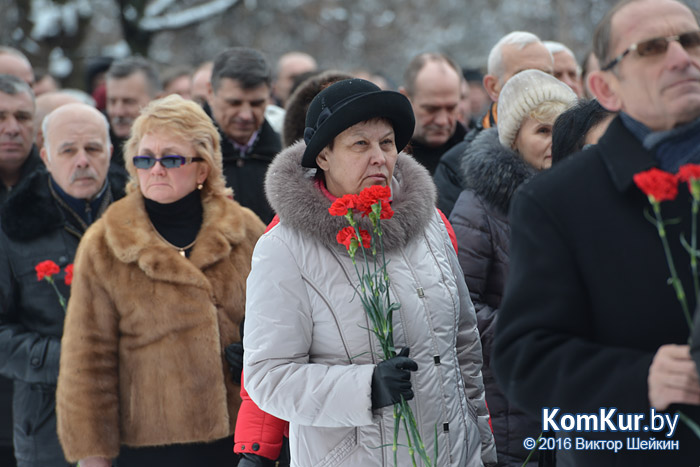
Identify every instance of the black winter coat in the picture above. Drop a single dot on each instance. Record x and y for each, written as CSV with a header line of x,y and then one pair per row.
x,y
448,173
34,229
430,156
491,174
587,303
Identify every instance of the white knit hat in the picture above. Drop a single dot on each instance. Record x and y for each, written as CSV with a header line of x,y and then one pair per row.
x,y
522,94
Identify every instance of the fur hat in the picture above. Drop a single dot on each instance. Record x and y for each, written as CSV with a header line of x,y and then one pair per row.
x,y
522,94
351,101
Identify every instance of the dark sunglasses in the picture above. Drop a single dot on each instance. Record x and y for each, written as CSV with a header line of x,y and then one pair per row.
x,y
168,162
657,46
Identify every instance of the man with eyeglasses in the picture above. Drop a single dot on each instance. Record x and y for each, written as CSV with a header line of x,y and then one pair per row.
x,y
44,219
589,321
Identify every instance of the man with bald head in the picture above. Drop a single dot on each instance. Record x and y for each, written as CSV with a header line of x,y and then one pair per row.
x,y
432,82
513,53
589,320
44,219
566,68
289,66
15,63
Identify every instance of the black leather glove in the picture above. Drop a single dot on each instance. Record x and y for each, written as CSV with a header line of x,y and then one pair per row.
x,y
251,460
392,379
234,357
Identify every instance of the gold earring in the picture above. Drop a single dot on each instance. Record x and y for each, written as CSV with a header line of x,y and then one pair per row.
x,y
200,186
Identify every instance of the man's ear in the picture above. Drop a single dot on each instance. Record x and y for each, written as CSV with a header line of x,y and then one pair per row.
x,y
603,85
403,91
492,86
45,157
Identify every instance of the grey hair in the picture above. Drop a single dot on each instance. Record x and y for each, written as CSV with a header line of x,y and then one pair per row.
x,y
12,85
126,67
45,127
245,65
521,39
557,47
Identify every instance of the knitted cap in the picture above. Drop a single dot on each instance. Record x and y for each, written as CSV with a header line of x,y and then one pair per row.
x,y
522,94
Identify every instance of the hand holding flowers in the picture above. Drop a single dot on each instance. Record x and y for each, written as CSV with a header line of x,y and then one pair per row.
x,y
374,287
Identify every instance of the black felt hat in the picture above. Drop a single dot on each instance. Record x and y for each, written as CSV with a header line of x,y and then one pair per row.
x,y
345,103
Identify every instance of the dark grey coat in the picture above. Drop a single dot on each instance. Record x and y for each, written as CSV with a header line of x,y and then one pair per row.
x,y
34,229
492,173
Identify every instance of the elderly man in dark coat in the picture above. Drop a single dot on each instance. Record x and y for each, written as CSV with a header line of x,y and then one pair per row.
x,y
44,219
588,322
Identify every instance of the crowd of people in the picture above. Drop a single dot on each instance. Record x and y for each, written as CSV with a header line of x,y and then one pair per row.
x,y
174,290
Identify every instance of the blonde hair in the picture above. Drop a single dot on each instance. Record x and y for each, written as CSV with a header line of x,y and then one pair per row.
x,y
187,120
548,111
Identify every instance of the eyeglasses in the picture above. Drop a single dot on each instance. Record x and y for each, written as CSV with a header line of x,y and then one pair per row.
x,y
168,162
657,46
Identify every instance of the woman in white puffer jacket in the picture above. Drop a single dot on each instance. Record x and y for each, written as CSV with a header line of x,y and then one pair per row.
x,y
309,356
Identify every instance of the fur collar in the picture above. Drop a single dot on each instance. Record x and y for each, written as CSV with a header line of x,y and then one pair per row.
x,y
31,211
493,171
131,237
300,205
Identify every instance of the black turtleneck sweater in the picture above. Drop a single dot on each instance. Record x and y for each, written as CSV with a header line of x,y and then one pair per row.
x,y
177,222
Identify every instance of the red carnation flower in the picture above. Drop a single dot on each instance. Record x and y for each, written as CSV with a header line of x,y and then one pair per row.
x,y
366,238
387,212
69,274
372,195
657,184
345,236
689,172
46,269
341,205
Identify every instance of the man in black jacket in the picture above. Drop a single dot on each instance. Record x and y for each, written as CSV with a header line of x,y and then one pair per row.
x,y
432,82
44,219
238,94
513,53
589,323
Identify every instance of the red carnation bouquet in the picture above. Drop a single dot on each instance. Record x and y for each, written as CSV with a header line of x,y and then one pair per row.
x,y
373,202
47,269
660,186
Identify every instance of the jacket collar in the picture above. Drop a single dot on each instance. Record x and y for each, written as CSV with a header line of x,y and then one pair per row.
x,y
132,238
623,154
300,205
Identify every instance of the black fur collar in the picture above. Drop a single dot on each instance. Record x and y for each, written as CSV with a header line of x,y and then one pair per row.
x,y
493,171
31,211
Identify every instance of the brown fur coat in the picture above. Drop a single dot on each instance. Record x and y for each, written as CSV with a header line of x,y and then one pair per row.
x,y
142,352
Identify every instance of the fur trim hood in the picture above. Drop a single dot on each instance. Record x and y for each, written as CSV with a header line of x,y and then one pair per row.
x,y
493,171
292,193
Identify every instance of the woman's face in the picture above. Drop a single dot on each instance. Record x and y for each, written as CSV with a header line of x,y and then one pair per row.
x,y
534,143
363,155
169,185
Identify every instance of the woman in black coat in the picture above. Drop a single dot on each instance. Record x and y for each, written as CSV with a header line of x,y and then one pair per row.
x,y
498,162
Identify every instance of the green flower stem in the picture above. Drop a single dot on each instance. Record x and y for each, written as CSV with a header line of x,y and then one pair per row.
x,y
61,298
374,292
675,281
408,435
690,422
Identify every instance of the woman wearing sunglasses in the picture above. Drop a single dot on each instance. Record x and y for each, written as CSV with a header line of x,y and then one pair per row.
x,y
158,292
